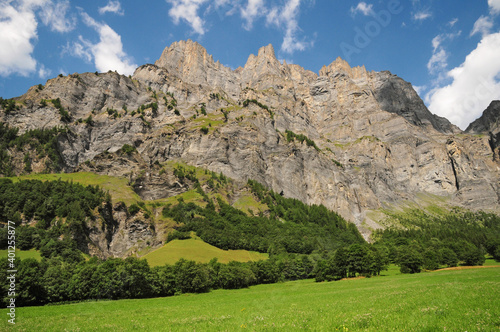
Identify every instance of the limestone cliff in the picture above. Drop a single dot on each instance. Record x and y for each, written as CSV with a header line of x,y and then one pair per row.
x,y
376,144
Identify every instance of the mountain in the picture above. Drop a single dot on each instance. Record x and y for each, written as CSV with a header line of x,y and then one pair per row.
x,y
489,124
359,142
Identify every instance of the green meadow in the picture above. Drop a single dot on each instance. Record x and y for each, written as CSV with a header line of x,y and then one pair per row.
x,y
449,300
23,254
197,250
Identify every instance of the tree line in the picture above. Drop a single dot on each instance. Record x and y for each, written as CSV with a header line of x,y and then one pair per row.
x,y
62,277
423,240
290,227
59,209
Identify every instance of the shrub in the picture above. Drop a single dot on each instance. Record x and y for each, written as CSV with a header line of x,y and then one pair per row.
x,y
133,209
88,121
128,149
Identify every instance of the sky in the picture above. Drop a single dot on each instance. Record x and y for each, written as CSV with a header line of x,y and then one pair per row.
x,y
448,49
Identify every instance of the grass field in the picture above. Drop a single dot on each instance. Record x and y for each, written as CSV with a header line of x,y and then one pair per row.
x,y
460,300
23,254
117,186
199,251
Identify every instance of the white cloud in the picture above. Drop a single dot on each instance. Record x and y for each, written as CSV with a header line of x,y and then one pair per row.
x,y
436,42
108,54
438,61
187,10
453,22
18,28
474,84
483,26
363,8
419,89
283,16
80,49
287,18
114,7
220,3
422,15
55,16
253,9
44,72
494,6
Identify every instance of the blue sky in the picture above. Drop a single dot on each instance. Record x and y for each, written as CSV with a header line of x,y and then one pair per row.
x,y
448,49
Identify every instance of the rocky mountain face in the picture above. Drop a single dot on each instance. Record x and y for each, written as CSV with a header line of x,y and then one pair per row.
x,y
489,124
376,145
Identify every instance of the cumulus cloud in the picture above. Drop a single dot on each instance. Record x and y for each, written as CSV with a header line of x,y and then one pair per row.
x,y
114,7
108,53
18,26
187,10
494,6
363,8
474,84
482,26
19,29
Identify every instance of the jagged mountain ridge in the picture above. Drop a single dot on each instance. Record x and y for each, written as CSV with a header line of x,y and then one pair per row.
x,y
378,145
489,124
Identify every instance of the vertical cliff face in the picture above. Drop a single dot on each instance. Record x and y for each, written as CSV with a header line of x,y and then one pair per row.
x,y
190,62
489,124
374,143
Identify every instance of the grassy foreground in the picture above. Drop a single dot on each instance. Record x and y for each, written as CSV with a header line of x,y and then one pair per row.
x,y
198,250
458,300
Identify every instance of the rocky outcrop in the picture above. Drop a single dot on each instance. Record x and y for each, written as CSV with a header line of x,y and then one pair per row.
x,y
376,145
489,124
489,120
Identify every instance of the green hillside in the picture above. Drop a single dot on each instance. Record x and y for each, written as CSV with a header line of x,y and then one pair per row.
x,y
23,254
198,251
117,187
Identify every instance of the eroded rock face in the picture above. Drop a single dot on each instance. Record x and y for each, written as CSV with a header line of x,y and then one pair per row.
x,y
489,124
117,233
378,145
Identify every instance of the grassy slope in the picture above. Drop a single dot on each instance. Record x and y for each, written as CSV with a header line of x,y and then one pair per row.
x,y
464,300
197,250
23,254
117,186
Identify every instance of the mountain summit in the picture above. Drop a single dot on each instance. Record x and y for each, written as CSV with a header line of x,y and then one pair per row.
x,y
354,140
